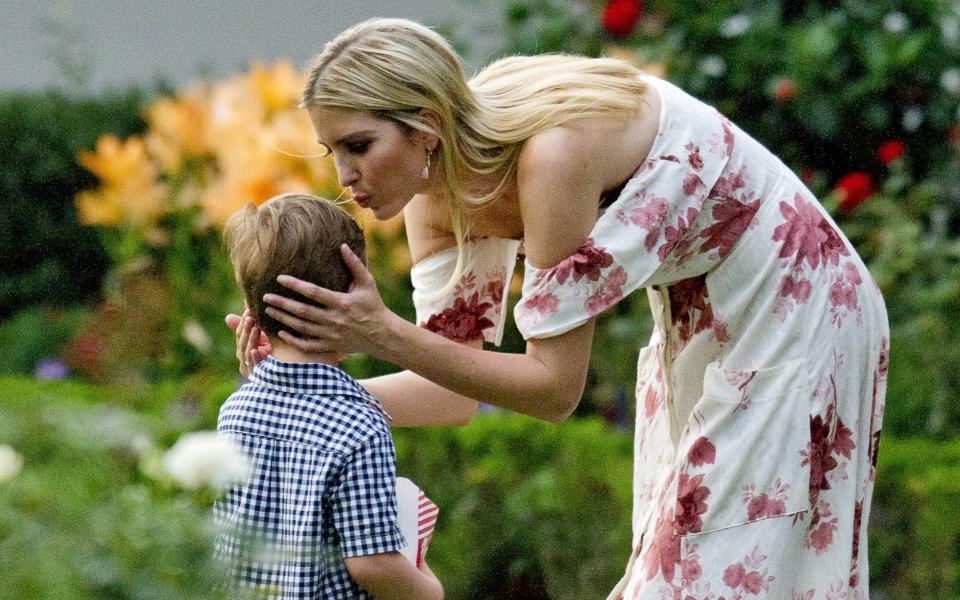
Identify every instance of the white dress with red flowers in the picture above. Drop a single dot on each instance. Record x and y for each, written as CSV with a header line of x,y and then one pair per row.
x,y
760,396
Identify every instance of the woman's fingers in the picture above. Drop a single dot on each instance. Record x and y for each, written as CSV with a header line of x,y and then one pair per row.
x,y
361,275
306,345
307,328
304,288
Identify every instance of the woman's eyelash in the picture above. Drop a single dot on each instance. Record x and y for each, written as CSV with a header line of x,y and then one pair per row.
x,y
357,147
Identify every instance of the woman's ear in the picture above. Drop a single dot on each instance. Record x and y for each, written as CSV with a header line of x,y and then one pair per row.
x,y
430,140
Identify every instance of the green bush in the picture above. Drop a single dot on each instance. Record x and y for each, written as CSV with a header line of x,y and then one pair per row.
x,y
48,257
81,520
527,509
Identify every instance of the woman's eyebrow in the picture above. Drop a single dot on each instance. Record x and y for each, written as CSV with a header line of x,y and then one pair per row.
x,y
348,136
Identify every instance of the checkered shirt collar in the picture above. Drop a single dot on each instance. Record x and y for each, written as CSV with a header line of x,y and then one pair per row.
x,y
311,379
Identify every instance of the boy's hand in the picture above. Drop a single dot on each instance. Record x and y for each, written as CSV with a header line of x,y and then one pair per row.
x,y
252,344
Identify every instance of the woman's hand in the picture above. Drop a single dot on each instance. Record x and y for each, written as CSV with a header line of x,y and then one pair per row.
x,y
252,344
349,322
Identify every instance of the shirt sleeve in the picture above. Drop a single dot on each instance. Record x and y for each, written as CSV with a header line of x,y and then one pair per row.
x,y
475,306
676,218
364,506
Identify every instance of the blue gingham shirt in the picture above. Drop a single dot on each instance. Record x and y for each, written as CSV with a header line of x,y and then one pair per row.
x,y
322,486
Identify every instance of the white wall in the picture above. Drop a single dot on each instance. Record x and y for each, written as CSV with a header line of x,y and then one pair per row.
x,y
137,41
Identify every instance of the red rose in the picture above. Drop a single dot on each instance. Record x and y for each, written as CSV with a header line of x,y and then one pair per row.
x,y
953,134
784,89
890,151
620,17
854,188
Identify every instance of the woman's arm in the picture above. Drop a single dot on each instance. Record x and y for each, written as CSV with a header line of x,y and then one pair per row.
x,y
558,191
546,382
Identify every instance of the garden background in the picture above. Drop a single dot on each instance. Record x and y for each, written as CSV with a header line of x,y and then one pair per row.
x,y
114,285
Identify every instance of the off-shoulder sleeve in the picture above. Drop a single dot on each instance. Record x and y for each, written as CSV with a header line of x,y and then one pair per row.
x,y
676,218
475,306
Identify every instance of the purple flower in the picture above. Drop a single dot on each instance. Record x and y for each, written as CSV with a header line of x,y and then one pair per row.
x,y
51,368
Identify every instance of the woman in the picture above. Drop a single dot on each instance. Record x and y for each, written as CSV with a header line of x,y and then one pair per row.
x,y
760,395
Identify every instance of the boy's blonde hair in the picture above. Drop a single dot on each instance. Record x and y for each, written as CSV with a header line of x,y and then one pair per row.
x,y
291,234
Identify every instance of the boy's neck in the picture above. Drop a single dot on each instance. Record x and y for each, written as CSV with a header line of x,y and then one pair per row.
x,y
291,354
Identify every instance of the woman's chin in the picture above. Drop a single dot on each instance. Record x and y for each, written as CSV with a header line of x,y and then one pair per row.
x,y
382,213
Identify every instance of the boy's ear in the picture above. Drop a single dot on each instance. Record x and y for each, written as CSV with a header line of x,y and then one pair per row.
x,y
429,140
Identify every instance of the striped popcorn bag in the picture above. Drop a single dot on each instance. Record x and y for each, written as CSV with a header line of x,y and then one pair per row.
x,y
416,516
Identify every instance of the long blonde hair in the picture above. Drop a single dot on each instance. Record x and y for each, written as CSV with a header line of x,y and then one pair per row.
x,y
392,68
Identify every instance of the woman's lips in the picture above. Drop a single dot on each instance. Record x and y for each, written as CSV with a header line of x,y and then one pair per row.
x,y
362,199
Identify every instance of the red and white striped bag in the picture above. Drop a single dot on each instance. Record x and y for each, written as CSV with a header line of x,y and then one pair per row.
x,y
416,516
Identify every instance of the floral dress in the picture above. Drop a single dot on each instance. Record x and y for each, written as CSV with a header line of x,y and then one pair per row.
x,y
760,395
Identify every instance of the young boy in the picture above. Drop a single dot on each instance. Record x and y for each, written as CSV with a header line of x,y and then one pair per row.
x,y
317,519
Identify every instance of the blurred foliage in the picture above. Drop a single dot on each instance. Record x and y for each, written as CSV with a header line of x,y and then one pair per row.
x,y
527,509
48,257
82,520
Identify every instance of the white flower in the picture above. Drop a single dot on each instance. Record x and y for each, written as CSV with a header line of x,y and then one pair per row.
x,y
950,80
950,30
912,118
734,26
896,22
204,458
198,337
713,66
10,463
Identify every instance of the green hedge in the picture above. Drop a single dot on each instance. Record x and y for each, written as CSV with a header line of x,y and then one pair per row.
x,y
48,257
528,509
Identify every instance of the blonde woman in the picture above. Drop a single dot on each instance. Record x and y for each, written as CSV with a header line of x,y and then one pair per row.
x,y
760,394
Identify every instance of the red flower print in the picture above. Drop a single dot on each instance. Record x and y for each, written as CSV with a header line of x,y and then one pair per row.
x,y
620,17
807,236
648,215
702,452
728,136
602,299
843,440
819,457
693,156
545,304
727,184
753,583
764,506
690,570
495,290
890,151
586,262
733,575
857,519
854,189
690,308
798,288
732,219
692,184
691,503
464,321
650,401
674,238
822,536
747,574
663,555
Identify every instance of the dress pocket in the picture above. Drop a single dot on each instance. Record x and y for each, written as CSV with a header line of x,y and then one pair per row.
x,y
744,448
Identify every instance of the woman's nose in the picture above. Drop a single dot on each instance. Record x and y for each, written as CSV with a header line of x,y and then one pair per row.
x,y
347,173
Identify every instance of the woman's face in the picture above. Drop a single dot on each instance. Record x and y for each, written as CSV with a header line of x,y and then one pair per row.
x,y
380,162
